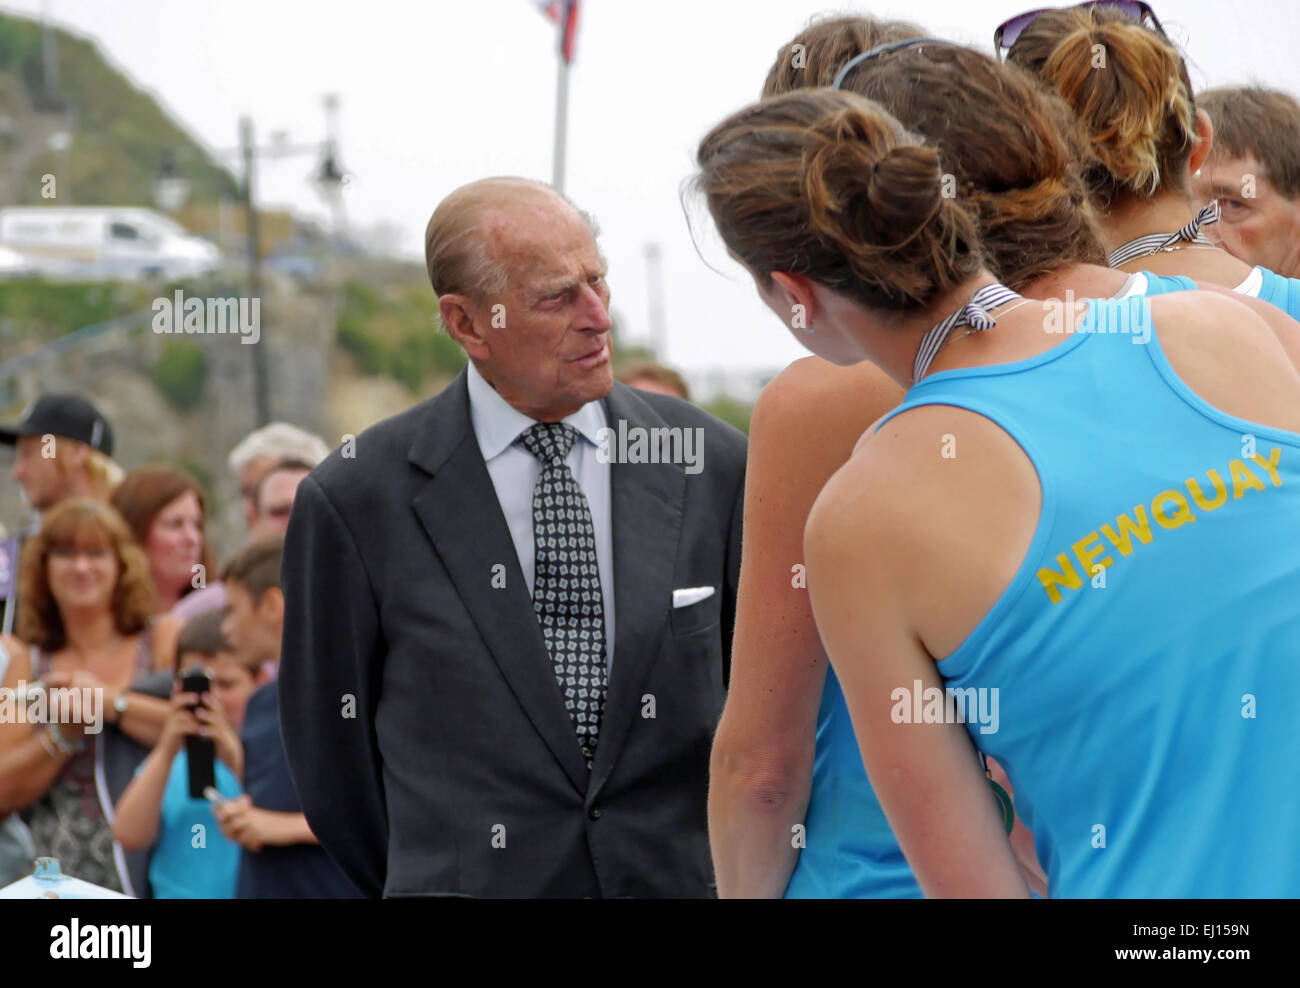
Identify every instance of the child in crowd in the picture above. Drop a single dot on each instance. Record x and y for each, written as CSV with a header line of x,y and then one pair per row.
x,y
191,858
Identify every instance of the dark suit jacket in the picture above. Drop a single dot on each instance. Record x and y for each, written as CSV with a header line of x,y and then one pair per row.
x,y
424,728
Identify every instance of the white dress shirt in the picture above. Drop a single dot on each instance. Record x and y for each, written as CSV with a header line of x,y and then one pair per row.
x,y
514,472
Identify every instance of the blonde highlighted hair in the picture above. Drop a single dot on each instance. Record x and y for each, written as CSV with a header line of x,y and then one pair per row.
x,y
1130,90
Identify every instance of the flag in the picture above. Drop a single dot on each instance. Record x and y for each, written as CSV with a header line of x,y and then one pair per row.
x,y
565,14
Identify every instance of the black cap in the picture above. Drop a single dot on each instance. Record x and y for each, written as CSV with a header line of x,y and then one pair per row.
x,y
70,416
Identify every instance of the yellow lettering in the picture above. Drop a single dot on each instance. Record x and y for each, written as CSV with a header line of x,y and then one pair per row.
x,y
1242,478
1220,492
1274,457
1127,529
1087,556
1180,517
1067,578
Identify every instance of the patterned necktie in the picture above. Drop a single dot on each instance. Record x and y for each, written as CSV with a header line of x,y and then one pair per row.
x,y
566,582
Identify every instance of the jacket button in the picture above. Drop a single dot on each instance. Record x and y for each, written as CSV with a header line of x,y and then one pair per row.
x,y
594,813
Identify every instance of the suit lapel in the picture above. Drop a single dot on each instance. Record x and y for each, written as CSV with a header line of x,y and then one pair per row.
x,y
459,510
646,512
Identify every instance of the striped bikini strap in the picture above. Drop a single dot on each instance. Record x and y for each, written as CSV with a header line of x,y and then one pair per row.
x,y
1154,242
974,313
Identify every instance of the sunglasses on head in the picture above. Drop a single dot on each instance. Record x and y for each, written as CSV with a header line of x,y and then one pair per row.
x,y
885,49
1009,31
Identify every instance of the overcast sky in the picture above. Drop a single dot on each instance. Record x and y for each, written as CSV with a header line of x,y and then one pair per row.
x,y
436,93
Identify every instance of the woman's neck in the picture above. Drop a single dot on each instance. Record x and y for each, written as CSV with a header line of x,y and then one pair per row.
x,y
165,597
1078,280
90,632
897,346
1131,218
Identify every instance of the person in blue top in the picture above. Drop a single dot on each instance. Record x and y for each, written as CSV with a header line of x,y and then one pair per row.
x,y
791,809
191,858
1087,530
1147,137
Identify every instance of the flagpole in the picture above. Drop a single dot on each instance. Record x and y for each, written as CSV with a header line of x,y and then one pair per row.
x,y
561,124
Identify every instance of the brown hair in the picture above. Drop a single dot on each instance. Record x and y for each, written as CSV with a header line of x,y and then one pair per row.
x,y
658,373
812,57
143,493
1263,123
256,567
828,185
81,520
202,634
1013,152
1136,108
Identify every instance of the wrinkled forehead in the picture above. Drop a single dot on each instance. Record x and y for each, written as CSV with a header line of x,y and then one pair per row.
x,y
540,237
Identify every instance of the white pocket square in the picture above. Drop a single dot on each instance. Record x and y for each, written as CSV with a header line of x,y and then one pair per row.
x,y
687,596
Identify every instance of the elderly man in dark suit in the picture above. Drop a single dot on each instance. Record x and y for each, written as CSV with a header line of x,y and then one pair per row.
x,y
509,609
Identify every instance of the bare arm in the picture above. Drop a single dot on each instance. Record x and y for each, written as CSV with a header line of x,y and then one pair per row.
x,y
803,427
27,769
137,813
926,776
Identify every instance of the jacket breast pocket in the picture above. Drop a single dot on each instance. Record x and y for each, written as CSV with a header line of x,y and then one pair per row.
x,y
700,616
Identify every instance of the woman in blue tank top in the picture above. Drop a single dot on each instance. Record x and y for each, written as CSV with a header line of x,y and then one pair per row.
x,y
791,807
974,536
1148,138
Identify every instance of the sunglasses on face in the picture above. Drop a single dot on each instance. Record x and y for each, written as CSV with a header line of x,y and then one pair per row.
x,y
1009,32
886,49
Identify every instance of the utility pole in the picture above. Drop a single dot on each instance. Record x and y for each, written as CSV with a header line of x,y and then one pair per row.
x,y
654,283
261,391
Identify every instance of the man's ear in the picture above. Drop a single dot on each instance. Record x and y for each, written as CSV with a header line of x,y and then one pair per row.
x,y
800,297
271,606
457,312
72,453
1204,142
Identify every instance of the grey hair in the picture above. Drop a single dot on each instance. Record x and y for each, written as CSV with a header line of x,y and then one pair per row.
x,y
280,441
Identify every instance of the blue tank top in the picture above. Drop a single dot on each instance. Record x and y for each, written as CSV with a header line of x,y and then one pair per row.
x,y
1147,651
850,849
1279,291
1263,284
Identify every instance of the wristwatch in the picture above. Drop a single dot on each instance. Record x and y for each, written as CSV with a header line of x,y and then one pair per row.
x,y
120,704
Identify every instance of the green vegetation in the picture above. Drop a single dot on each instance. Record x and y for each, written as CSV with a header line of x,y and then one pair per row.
x,y
395,330
731,411
45,310
120,135
179,373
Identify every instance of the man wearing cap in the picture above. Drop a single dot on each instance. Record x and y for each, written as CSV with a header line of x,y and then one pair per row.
x,y
57,439
63,444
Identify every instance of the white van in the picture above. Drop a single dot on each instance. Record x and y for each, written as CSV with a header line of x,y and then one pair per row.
x,y
104,243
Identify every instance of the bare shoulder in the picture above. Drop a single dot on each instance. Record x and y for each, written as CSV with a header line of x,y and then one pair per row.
x,y
835,403
166,631
1229,355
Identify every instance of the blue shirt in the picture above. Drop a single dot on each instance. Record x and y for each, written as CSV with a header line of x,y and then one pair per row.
x,y
296,871
1147,651
178,869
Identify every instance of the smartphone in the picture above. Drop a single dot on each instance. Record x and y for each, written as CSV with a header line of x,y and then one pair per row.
x,y
201,753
